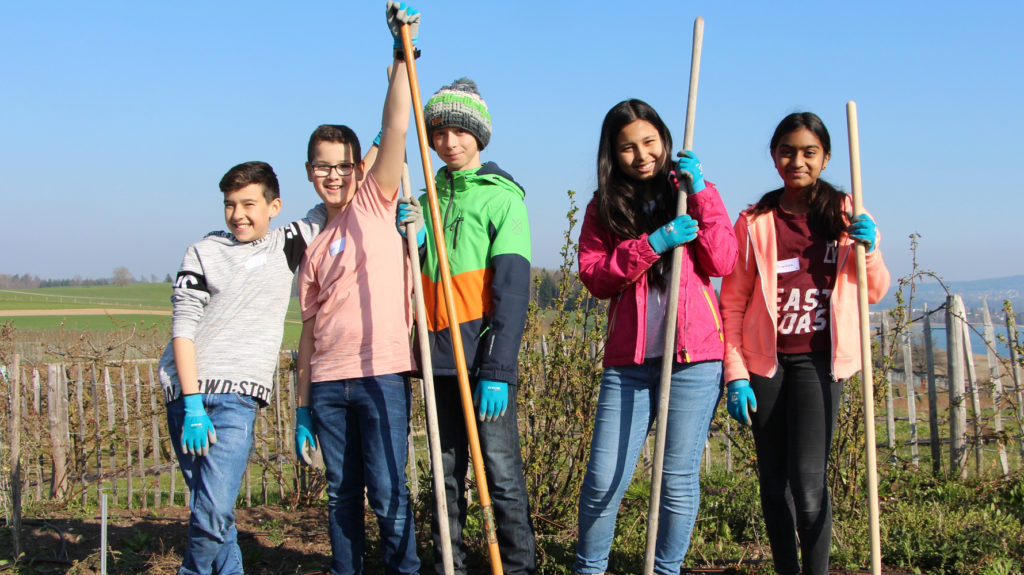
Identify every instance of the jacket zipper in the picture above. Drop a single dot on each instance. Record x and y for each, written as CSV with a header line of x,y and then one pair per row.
x,y
832,315
448,208
714,314
685,276
760,273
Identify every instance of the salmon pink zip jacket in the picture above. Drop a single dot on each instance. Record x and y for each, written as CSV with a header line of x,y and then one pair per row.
x,y
751,317
614,268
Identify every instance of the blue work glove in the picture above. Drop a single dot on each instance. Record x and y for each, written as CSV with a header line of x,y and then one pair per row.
x,y
401,13
741,400
689,163
305,440
197,433
409,211
491,399
863,230
679,231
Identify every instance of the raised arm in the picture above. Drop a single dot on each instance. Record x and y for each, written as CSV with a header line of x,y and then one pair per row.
x,y
387,168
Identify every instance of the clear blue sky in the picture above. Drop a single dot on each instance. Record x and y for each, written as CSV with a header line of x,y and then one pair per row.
x,y
117,119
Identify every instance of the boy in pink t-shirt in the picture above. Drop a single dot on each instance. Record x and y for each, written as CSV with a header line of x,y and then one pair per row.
x,y
355,352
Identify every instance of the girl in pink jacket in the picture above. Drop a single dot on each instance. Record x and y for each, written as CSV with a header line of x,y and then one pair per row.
x,y
625,244
791,335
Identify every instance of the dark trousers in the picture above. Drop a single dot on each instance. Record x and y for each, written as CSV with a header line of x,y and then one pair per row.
x,y
796,414
503,465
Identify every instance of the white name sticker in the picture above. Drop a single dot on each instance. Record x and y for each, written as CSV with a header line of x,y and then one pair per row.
x,y
790,265
337,246
256,261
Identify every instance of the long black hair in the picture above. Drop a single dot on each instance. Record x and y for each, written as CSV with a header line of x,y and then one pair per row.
x,y
826,216
621,200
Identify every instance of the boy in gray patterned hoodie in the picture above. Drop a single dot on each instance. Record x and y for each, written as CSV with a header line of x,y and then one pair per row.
x,y
230,298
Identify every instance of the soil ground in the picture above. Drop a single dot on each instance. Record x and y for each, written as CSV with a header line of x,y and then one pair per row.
x,y
272,539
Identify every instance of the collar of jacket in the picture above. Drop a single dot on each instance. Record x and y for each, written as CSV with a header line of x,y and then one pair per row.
x,y
464,180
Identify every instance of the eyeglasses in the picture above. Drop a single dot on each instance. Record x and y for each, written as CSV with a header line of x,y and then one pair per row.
x,y
324,170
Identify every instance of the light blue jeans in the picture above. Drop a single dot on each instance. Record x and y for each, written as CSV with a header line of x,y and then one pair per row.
x,y
362,426
626,408
214,481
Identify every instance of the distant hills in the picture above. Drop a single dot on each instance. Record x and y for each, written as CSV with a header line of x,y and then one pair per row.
x,y
973,292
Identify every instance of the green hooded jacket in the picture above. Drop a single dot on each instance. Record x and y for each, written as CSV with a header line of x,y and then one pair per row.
x,y
487,239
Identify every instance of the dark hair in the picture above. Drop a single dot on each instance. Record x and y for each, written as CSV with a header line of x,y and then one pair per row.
x,y
826,215
621,201
334,133
248,173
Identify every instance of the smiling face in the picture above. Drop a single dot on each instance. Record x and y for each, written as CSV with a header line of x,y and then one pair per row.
x,y
457,148
247,212
335,189
639,150
799,158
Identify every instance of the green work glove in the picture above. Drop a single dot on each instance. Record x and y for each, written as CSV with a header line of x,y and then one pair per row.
x,y
197,433
305,440
491,399
689,163
864,230
741,400
679,231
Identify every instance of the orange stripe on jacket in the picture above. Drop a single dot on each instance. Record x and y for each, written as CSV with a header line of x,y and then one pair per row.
x,y
469,303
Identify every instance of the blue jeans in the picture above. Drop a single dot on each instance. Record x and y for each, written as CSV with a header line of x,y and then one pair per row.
x,y
796,414
214,481
503,466
362,427
626,408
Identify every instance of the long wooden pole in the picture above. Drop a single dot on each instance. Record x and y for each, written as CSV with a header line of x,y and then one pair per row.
x,y
867,377
671,316
490,530
429,401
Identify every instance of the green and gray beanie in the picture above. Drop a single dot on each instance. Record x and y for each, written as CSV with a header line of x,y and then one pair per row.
x,y
459,104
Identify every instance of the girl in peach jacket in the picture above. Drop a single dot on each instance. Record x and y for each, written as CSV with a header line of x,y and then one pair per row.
x,y
791,335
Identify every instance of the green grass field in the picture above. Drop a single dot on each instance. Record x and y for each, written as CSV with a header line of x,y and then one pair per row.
x,y
100,323
138,296
145,295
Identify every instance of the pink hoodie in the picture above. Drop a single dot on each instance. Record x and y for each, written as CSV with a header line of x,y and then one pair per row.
x,y
614,268
750,317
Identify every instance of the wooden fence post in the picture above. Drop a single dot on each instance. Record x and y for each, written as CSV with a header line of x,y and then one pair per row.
x,y
58,423
36,433
127,441
934,441
281,446
264,452
16,425
298,470
108,393
414,472
140,430
972,380
154,390
728,446
908,376
890,415
955,374
81,434
96,428
1011,337
997,388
